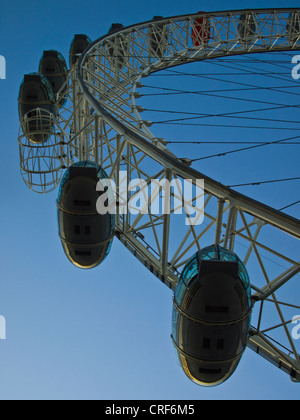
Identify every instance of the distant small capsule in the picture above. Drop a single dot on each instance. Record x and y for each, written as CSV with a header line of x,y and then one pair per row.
x,y
36,104
79,44
54,67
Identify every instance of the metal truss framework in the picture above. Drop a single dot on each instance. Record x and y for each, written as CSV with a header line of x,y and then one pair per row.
x,y
102,122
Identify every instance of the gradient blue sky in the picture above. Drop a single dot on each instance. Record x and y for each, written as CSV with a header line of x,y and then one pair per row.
x,y
102,334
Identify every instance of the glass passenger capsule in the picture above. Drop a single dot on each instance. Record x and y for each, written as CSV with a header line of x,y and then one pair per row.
x,y
54,67
201,31
79,44
247,28
118,48
86,235
211,315
36,104
158,35
293,27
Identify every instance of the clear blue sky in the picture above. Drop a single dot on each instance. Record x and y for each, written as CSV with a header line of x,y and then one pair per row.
x,y
102,334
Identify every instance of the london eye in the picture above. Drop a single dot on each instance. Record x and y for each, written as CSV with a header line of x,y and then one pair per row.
x,y
227,257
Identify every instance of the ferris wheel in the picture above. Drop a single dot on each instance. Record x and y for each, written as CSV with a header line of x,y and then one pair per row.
x,y
203,235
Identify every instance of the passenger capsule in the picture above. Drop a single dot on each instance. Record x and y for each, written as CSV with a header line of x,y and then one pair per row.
x,y
293,27
118,48
211,315
36,104
54,67
247,28
201,31
86,235
79,44
158,36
